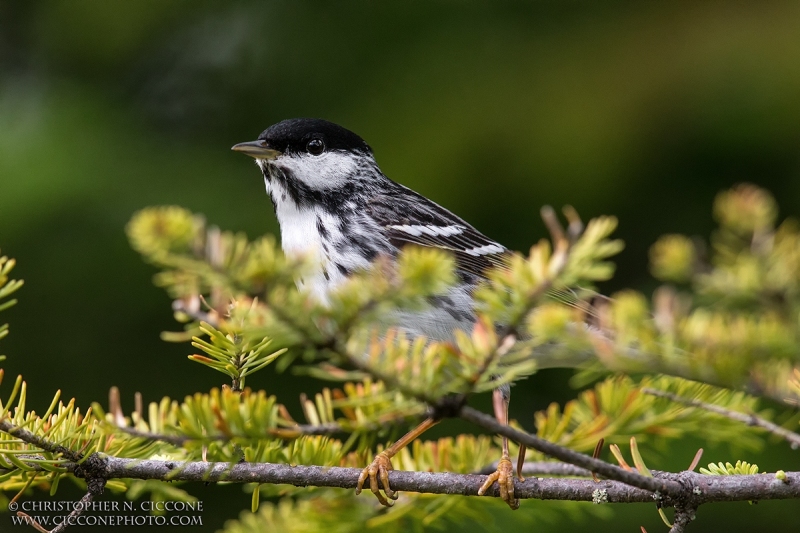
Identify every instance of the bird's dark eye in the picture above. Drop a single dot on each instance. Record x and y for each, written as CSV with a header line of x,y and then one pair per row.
x,y
315,146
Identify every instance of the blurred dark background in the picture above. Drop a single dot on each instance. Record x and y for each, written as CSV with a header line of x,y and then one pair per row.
x,y
644,110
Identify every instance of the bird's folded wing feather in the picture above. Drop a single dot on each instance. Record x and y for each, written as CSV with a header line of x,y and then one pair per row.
x,y
413,219
417,220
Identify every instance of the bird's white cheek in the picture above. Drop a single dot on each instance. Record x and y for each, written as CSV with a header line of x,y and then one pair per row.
x,y
327,171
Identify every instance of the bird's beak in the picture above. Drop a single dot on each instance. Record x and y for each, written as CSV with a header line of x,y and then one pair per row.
x,y
256,149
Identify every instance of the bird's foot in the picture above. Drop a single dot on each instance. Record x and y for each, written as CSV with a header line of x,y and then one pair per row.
x,y
378,469
504,475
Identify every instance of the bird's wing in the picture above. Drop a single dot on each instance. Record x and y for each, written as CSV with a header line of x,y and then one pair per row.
x,y
410,218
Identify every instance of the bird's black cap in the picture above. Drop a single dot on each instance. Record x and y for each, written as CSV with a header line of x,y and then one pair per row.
x,y
293,135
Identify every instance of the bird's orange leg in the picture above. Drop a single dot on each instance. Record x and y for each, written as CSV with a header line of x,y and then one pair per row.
x,y
382,464
504,475
521,461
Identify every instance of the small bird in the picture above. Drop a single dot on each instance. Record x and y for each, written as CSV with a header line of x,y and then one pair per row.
x,y
333,202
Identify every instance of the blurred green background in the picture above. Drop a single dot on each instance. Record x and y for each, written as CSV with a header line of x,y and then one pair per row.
x,y
644,110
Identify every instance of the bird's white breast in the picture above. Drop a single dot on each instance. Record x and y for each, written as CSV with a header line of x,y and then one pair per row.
x,y
300,236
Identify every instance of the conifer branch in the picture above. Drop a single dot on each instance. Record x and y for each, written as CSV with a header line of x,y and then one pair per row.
x,y
751,419
336,346
695,488
670,489
684,490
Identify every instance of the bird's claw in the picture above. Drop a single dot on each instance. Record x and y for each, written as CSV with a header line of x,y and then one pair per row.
x,y
378,470
504,476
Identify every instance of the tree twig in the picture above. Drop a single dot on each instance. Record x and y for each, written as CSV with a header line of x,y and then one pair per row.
x,y
751,419
175,440
665,487
195,314
683,517
77,510
25,435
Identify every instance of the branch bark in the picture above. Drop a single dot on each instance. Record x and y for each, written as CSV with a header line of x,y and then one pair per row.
x,y
695,488
751,419
683,517
23,434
